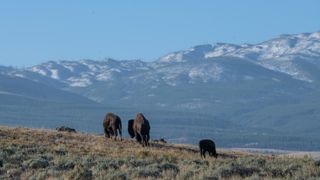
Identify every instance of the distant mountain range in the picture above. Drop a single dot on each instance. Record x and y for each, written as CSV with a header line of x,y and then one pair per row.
x,y
263,90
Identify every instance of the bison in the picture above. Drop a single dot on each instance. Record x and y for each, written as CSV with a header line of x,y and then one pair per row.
x,y
112,124
66,129
141,129
207,145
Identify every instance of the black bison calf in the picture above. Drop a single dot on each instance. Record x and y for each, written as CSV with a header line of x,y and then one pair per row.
x,y
112,124
207,145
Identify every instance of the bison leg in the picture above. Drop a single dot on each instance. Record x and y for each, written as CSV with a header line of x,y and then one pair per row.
x,y
110,132
144,140
115,133
120,133
147,139
136,136
106,133
203,153
210,153
141,139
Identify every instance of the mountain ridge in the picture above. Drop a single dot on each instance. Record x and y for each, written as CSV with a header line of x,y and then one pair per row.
x,y
285,48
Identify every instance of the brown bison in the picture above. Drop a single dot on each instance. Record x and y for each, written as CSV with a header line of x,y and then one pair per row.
x,y
141,129
207,145
111,125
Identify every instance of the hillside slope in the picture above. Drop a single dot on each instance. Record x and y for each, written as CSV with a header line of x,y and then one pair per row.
x,y
43,153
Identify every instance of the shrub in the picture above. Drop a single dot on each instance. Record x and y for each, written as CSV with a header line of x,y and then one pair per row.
x,y
138,162
37,163
117,175
48,157
148,172
108,164
200,162
15,159
14,172
168,158
39,175
102,165
112,165
261,162
144,153
11,166
89,161
187,175
61,152
292,169
169,167
237,170
8,151
210,178
81,173
64,165
276,173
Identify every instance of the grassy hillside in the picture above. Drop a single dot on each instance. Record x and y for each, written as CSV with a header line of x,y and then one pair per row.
x,y
43,154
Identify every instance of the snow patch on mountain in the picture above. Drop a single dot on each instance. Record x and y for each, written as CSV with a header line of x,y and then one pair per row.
x,y
287,67
39,71
221,49
177,57
104,76
79,82
205,73
54,74
69,67
19,75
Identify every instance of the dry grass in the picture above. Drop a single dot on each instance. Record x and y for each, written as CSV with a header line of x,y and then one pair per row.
x,y
48,154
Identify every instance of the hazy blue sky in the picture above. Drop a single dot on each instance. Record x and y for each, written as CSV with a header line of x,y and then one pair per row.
x,y
36,31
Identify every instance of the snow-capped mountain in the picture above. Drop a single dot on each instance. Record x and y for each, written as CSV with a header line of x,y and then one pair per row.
x,y
288,54
288,58
279,54
285,46
85,72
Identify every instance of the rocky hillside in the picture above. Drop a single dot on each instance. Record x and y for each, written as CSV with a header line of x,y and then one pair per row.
x,y
45,154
